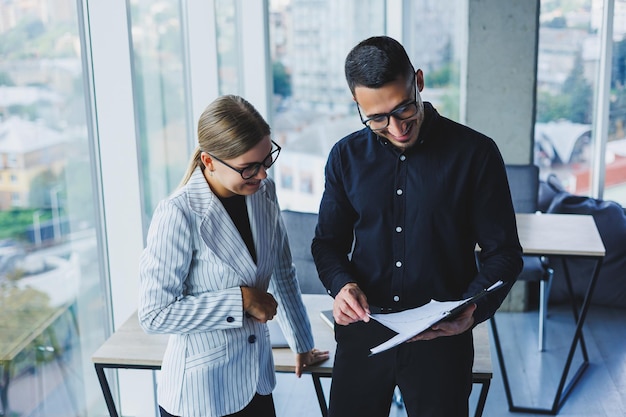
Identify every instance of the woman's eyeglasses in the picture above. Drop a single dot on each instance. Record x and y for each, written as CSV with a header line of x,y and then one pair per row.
x,y
253,169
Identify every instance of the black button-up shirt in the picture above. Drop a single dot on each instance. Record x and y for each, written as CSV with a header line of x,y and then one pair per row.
x,y
404,225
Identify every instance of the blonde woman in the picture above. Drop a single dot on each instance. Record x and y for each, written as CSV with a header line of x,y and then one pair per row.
x,y
217,267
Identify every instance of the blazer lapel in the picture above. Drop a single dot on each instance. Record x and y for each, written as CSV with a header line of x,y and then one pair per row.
x,y
217,229
262,211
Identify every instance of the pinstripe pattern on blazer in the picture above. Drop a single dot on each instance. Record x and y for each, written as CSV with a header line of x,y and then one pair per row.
x,y
191,271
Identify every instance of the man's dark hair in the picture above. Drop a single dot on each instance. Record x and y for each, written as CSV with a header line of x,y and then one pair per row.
x,y
377,61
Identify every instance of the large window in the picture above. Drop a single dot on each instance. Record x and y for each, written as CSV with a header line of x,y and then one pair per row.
x,y
570,51
312,104
161,104
228,46
434,43
54,288
51,299
615,173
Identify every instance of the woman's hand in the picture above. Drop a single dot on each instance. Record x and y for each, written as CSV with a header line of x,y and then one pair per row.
x,y
260,305
309,358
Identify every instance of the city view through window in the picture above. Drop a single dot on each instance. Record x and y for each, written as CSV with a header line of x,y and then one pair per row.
x,y
313,107
51,299
53,279
567,74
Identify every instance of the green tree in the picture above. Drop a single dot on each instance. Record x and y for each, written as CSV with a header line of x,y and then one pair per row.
x,y
617,110
580,94
550,107
282,80
440,77
575,101
5,79
619,64
40,186
445,75
556,23
15,222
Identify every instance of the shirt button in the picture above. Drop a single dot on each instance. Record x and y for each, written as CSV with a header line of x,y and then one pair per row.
x,y
230,319
398,264
398,229
402,157
399,191
396,298
251,338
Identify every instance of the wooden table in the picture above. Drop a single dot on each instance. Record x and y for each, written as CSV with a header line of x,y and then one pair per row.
x,y
559,236
131,348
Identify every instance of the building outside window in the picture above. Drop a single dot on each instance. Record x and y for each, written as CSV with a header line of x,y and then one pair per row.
x,y
161,105
312,105
51,298
228,46
567,86
435,44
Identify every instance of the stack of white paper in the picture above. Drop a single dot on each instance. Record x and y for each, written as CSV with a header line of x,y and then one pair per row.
x,y
412,322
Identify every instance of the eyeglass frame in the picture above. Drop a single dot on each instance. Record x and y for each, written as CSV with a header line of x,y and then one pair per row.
x,y
391,113
255,166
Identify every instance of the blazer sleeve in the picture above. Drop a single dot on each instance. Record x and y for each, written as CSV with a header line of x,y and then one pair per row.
x,y
164,306
291,315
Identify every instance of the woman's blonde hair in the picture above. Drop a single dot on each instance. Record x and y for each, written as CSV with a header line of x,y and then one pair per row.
x,y
229,126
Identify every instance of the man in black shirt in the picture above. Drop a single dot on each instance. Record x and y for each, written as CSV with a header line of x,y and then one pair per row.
x,y
406,200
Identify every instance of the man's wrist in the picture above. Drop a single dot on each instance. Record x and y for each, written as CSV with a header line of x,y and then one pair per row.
x,y
340,282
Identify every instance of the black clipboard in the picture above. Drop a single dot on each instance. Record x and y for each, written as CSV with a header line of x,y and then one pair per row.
x,y
461,307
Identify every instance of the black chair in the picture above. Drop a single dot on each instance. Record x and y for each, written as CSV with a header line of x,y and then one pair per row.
x,y
610,219
300,231
524,185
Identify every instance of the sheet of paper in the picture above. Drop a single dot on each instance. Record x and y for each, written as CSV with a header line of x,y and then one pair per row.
x,y
411,322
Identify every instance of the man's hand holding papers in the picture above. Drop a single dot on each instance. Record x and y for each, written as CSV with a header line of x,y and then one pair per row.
x,y
461,323
432,320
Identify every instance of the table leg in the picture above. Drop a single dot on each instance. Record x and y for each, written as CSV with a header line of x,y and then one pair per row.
x,y
4,388
562,391
482,398
106,391
499,355
570,290
320,393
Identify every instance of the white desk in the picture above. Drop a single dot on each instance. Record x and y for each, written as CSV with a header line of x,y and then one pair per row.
x,y
558,236
131,348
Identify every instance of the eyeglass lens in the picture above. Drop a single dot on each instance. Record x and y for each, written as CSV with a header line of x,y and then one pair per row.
x,y
251,170
401,113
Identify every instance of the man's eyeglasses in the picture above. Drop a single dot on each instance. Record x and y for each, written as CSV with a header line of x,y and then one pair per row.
x,y
380,122
253,169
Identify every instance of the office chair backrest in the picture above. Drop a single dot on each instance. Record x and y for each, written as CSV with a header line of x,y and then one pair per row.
x,y
300,230
524,185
